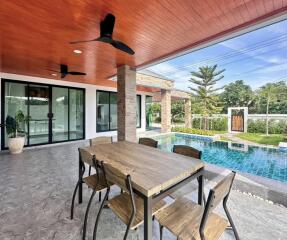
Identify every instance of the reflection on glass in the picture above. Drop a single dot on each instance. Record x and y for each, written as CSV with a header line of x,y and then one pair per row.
x,y
60,108
39,109
102,111
15,100
113,111
76,114
138,111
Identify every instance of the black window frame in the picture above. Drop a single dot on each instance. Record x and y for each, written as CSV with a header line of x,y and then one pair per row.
x,y
50,86
109,92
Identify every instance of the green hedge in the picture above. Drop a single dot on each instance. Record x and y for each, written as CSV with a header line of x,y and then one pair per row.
x,y
259,126
192,131
217,124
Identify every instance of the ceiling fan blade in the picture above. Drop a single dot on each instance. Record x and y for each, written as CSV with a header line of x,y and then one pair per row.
x,y
83,41
77,73
122,46
107,26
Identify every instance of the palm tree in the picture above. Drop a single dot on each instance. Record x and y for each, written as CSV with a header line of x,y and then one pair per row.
x,y
205,79
269,92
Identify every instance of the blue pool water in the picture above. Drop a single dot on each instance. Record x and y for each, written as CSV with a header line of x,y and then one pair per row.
x,y
264,162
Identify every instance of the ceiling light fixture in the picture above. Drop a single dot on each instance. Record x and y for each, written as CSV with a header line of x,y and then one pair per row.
x,y
77,51
54,74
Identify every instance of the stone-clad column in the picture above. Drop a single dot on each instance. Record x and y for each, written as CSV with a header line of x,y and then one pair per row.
x,y
187,113
165,111
126,84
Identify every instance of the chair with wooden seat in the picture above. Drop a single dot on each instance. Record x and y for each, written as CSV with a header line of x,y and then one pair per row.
x,y
127,206
189,220
97,182
148,142
97,141
189,152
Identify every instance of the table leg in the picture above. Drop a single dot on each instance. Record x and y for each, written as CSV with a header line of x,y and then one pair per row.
x,y
80,193
147,218
200,189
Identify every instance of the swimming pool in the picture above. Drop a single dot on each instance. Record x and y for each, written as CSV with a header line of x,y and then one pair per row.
x,y
264,162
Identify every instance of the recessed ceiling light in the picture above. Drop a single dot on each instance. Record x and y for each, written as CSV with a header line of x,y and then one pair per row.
x,y
77,51
54,74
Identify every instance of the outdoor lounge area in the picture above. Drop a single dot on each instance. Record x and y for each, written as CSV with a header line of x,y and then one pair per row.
x,y
112,129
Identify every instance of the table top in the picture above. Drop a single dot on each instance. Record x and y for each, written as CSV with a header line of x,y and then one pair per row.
x,y
151,169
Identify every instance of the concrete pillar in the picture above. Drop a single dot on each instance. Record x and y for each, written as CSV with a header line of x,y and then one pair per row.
x,y
187,113
165,111
126,84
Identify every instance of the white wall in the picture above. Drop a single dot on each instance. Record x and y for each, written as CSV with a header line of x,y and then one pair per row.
x,y
91,101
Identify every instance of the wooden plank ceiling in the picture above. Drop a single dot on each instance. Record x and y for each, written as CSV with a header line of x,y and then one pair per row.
x,y
35,35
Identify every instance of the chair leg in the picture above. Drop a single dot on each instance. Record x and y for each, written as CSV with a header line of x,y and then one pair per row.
x,y
204,198
99,213
73,199
90,168
100,196
87,214
160,231
230,219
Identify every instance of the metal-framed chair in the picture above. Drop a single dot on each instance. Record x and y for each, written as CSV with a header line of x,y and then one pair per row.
x,y
148,142
127,206
189,152
189,220
96,182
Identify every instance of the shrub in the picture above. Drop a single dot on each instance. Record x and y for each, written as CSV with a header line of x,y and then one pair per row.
x,y
220,124
192,131
217,124
259,126
285,133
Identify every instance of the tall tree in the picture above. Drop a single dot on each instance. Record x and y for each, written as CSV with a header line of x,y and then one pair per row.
x,y
236,94
270,93
204,80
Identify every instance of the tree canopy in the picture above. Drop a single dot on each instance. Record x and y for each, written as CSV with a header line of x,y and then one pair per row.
x,y
236,94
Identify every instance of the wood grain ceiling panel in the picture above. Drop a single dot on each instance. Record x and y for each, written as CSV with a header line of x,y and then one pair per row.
x,y
35,36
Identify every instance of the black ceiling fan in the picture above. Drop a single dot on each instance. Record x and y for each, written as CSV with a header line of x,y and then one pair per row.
x,y
64,71
106,35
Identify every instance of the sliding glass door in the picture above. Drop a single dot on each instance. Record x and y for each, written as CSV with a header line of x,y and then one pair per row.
x,y
60,117
55,113
38,111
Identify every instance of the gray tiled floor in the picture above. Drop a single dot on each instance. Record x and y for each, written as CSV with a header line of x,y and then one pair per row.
x,y
35,195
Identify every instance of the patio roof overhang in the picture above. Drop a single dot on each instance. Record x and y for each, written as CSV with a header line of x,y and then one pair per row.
x,y
35,37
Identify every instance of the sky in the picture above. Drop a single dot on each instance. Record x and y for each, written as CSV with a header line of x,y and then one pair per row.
x,y
256,58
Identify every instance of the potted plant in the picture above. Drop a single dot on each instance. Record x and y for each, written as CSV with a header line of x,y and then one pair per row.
x,y
15,130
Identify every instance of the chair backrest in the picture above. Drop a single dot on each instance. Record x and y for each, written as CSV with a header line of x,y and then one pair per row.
x,y
86,157
100,140
219,193
187,151
148,142
116,176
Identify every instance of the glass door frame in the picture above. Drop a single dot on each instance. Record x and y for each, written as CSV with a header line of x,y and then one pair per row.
x,y
50,126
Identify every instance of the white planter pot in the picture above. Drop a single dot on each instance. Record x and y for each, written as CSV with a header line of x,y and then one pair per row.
x,y
16,145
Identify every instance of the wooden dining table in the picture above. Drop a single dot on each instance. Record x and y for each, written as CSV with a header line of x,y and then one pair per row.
x,y
154,173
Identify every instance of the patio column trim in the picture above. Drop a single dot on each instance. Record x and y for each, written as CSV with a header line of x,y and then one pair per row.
x,y
187,113
126,84
165,111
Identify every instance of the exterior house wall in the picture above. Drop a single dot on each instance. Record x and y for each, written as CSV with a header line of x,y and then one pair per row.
x,y
91,101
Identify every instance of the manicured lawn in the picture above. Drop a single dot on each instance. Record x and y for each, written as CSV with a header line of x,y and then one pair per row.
x,y
273,139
